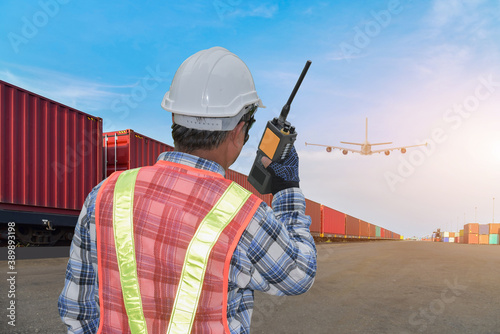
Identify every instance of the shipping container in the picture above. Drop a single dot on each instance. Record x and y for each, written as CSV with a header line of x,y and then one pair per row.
x,y
51,159
484,239
471,228
351,226
373,231
382,233
333,221
493,239
446,239
446,234
471,238
127,149
461,233
377,231
313,209
364,229
494,228
451,239
242,180
484,229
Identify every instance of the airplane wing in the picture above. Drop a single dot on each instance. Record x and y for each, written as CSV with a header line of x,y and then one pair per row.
x,y
402,148
329,148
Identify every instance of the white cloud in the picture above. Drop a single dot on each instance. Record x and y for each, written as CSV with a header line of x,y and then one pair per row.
x,y
75,92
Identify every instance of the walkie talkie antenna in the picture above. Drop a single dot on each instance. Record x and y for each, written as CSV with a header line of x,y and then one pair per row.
x,y
286,107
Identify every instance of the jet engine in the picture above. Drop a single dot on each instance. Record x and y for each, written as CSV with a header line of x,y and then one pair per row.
x,y
403,150
328,149
344,152
387,152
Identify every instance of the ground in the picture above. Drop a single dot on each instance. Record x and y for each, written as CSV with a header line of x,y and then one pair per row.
x,y
365,287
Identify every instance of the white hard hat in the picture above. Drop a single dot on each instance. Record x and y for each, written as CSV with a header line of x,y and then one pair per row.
x,y
210,91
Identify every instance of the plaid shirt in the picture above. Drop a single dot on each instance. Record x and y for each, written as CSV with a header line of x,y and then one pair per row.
x,y
276,254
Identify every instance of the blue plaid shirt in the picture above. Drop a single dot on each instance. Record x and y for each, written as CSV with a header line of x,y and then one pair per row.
x,y
276,254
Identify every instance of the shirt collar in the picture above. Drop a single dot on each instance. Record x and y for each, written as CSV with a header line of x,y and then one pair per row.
x,y
192,161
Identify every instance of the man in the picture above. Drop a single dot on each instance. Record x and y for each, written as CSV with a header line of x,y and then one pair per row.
x,y
177,248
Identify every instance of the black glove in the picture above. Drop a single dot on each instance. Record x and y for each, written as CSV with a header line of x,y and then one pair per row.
x,y
285,173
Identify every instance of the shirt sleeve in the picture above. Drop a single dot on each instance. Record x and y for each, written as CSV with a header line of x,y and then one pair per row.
x,y
276,253
79,301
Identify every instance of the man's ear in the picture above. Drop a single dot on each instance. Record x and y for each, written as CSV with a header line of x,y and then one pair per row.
x,y
238,129
236,132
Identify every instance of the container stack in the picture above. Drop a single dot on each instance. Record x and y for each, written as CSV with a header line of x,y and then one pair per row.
x,y
484,234
494,230
474,233
471,233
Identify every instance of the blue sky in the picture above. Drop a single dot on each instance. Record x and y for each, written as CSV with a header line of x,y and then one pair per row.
x,y
419,70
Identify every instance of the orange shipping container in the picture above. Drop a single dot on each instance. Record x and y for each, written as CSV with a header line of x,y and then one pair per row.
x,y
373,231
313,209
472,238
494,228
352,226
333,221
484,239
471,228
364,228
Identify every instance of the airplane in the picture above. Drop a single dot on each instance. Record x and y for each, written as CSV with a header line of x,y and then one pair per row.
x,y
366,147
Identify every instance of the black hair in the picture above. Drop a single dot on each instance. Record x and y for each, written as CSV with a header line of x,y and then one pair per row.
x,y
189,140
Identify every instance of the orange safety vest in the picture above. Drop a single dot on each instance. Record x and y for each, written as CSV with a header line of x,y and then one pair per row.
x,y
165,238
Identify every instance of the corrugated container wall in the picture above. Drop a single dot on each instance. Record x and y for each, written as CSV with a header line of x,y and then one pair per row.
x,y
484,239
494,228
471,228
364,228
373,231
242,180
351,226
333,221
128,149
51,154
484,229
471,238
313,209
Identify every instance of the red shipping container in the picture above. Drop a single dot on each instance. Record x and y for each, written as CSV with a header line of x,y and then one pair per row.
x,y
351,226
373,231
382,232
364,228
128,149
471,228
51,158
471,238
313,209
333,221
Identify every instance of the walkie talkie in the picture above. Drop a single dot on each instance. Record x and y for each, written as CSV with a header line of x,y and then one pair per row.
x,y
276,142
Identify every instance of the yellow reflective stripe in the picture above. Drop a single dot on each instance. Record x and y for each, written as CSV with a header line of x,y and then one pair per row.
x,y
196,259
123,227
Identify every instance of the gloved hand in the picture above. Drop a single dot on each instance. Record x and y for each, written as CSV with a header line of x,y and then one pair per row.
x,y
285,173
